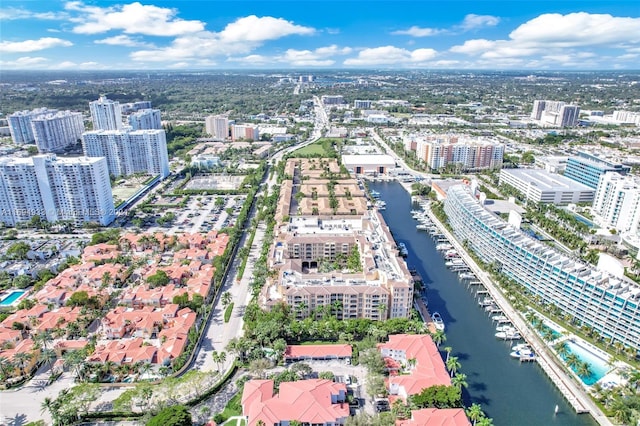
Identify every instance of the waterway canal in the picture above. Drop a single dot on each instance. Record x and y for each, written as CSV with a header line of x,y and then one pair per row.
x,y
510,392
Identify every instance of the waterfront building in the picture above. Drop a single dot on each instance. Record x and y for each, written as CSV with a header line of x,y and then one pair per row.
x,y
369,163
617,202
56,189
541,186
586,168
129,152
331,252
145,119
20,124
462,151
55,131
247,132
217,126
607,304
106,114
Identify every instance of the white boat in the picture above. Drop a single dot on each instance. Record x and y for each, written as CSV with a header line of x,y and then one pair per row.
x,y
416,212
467,276
488,300
523,353
421,227
437,321
402,249
451,254
455,262
499,318
508,335
505,327
444,247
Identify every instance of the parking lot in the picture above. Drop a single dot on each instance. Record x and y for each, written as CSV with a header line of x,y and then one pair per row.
x,y
207,212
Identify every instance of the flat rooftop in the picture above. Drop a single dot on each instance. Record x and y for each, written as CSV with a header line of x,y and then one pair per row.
x,y
545,180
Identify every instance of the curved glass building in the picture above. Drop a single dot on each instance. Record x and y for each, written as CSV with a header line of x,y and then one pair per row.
x,y
606,303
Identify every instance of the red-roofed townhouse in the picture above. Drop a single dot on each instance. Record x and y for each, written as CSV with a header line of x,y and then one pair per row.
x,y
316,401
436,417
420,357
295,353
24,346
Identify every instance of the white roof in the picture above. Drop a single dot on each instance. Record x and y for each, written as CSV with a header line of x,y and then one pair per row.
x,y
368,159
546,181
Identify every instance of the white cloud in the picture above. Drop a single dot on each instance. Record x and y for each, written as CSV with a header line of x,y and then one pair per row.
x,y
474,47
415,31
577,29
13,13
133,18
179,65
254,60
258,29
388,55
473,21
122,40
23,62
237,38
33,45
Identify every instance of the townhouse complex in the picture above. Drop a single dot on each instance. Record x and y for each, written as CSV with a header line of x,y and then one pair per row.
x,y
332,250
608,304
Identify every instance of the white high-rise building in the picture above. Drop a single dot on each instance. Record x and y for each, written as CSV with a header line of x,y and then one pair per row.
x,y
247,132
20,124
145,119
55,131
56,189
555,113
106,114
617,202
217,126
129,152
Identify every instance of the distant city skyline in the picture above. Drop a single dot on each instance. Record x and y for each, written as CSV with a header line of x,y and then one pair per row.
x,y
308,34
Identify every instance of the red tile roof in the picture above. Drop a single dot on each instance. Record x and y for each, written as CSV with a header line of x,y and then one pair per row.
x,y
436,417
308,401
317,351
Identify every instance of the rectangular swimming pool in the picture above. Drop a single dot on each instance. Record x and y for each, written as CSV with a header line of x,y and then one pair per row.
x,y
599,366
12,297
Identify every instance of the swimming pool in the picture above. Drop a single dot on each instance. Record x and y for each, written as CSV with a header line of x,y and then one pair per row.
x,y
12,297
599,366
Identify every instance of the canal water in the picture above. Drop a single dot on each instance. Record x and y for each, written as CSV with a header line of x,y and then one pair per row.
x,y
510,392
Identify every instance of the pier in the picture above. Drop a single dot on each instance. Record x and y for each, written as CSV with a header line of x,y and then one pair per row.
x,y
572,391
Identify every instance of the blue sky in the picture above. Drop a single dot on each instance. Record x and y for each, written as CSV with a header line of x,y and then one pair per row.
x,y
308,34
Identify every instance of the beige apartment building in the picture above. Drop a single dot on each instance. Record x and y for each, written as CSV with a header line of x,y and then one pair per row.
x,y
339,259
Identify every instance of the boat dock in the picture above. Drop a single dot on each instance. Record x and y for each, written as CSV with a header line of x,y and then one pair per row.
x,y
571,390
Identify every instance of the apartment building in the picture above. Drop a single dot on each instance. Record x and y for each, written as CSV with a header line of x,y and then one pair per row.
x,y
56,189
247,132
597,299
217,126
132,107
55,131
362,104
129,152
20,124
587,169
338,256
332,99
467,153
541,186
555,113
617,202
106,114
145,119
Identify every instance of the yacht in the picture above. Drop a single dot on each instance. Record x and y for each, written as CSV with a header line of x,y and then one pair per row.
x,y
488,300
508,335
381,205
524,352
444,247
437,321
421,227
402,249
505,327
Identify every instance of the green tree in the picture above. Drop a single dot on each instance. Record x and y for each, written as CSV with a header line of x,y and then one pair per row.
x,y
475,412
18,251
453,365
175,415
159,279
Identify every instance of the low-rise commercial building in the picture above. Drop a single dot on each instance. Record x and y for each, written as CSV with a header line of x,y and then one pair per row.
x,y
541,186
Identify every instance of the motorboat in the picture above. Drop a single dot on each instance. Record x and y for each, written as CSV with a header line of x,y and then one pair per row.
x,y
455,262
508,335
505,327
524,352
467,276
451,254
437,321
421,227
402,249
487,301
444,247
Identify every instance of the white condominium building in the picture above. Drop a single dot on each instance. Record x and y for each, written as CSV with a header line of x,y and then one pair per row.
x,y
608,304
247,132
617,202
56,189
129,152
217,126
106,114
145,119
55,131
20,124
555,113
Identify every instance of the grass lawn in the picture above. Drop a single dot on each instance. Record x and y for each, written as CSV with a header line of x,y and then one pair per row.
x,y
314,148
233,407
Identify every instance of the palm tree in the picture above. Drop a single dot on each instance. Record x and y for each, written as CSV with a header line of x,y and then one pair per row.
x,y
439,337
562,348
459,381
584,369
43,338
453,365
572,360
48,356
226,299
485,421
448,350
22,360
475,412
7,368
